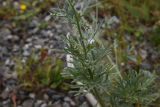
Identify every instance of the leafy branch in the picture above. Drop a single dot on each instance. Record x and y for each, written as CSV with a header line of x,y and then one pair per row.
x,y
95,70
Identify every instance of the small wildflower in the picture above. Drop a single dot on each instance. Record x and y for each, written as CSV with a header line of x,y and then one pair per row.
x,y
23,7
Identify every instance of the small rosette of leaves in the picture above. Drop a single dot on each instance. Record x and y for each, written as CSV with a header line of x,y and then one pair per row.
x,y
40,72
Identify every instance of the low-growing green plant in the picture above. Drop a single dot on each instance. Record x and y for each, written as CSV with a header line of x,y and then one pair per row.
x,y
134,88
40,72
94,70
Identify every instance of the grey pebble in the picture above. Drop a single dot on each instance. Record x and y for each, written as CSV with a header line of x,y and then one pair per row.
x,y
57,104
32,95
45,97
6,103
28,103
84,104
38,103
56,97
44,105
26,53
69,100
4,95
65,104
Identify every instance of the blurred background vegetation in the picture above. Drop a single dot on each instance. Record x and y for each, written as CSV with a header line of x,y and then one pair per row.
x,y
23,9
137,28
19,12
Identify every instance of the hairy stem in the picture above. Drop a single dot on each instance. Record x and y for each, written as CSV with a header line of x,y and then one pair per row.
x,y
78,27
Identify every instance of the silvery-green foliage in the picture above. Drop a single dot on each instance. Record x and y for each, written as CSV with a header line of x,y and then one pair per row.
x,y
90,67
94,70
134,88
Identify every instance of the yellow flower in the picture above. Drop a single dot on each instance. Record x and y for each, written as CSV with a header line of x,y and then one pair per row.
x,y
23,7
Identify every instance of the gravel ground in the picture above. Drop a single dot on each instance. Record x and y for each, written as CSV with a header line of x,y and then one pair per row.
x,y
21,41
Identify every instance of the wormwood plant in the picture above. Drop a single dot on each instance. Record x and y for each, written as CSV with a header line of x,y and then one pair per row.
x,y
95,72
135,88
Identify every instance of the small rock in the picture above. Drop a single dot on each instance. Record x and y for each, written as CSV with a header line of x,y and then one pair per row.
x,y
27,46
12,38
32,95
6,103
46,97
34,23
26,53
57,104
69,100
47,33
57,97
5,94
8,62
58,26
51,46
15,4
4,3
115,19
38,103
15,38
28,40
15,48
50,34
85,104
38,46
4,32
33,31
28,103
44,105
8,75
47,18
50,93
22,95
146,65
82,98
39,41
65,104
11,83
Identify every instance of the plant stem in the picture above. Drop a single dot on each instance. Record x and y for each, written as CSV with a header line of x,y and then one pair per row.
x,y
117,70
98,97
78,27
